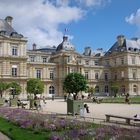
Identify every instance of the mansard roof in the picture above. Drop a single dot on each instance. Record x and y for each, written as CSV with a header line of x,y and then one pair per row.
x,y
124,45
47,49
8,30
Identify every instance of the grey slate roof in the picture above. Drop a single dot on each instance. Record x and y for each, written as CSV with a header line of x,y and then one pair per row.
x,y
47,49
6,29
65,45
128,45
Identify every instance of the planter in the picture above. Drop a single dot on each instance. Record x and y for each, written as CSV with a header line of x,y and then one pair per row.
x,y
32,103
13,102
1,101
73,106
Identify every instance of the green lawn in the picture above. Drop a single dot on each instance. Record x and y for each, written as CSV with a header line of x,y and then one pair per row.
x,y
16,133
121,100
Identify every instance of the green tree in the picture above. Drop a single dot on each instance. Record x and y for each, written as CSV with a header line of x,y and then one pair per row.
x,y
91,90
15,88
35,86
115,89
74,82
3,87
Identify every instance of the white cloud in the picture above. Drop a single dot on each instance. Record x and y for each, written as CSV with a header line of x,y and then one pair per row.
x,y
90,3
134,19
39,20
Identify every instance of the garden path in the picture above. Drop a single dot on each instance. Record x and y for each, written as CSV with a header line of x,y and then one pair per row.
x,y
3,137
96,110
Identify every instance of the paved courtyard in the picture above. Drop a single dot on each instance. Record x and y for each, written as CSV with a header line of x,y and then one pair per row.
x,y
96,110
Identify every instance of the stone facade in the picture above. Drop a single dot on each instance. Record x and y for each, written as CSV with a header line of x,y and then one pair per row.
x,y
120,65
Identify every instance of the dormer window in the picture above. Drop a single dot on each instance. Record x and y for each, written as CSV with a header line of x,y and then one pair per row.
x,y
2,32
135,49
131,49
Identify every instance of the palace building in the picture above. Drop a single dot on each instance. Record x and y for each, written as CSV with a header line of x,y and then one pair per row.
x,y
120,65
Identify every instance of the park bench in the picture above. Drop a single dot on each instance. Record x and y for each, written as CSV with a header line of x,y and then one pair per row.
x,y
127,119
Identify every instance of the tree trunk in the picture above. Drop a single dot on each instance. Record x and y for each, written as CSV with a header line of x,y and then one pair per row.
x,y
75,96
1,94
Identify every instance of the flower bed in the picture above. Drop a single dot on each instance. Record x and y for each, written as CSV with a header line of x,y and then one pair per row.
x,y
66,129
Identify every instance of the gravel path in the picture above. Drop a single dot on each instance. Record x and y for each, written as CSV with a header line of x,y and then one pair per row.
x,y
3,137
96,110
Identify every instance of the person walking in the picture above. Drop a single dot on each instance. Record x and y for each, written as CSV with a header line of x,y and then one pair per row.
x,y
52,97
127,98
87,108
65,97
44,100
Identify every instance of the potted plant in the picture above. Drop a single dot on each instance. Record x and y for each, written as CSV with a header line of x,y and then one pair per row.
x,y
73,84
15,89
34,87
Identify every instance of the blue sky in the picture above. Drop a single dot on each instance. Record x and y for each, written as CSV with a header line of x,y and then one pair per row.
x,y
100,27
94,23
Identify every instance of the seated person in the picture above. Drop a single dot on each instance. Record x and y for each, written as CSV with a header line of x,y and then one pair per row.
x,y
18,103
137,117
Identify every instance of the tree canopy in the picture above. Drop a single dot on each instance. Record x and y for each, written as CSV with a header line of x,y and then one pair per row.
x,y
91,90
15,88
3,87
74,82
115,89
35,86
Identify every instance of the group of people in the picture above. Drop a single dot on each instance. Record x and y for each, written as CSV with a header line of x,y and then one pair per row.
x,y
22,104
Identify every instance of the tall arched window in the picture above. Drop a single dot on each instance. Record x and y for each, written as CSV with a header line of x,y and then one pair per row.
x,y
97,89
134,88
51,90
106,89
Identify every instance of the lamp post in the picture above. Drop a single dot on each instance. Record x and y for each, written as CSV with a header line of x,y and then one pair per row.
x,y
13,92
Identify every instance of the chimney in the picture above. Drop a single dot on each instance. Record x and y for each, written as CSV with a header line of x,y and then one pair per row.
x,y
120,40
87,51
34,46
9,19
